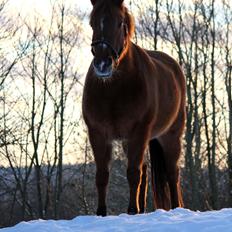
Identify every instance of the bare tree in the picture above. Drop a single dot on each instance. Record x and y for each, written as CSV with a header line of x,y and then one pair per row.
x,y
227,72
49,79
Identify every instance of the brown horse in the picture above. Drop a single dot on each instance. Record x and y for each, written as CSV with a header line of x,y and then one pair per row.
x,y
137,96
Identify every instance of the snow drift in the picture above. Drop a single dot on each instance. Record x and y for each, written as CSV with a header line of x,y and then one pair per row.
x,y
178,220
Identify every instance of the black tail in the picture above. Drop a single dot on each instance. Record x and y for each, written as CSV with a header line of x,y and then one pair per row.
x,y
159,176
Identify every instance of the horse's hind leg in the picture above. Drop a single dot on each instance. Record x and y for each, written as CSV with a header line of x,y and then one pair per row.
x,y
159,176
172,149
143,190
102,154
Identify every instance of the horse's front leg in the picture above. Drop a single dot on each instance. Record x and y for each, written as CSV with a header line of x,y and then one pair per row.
x,y
136,150
102,153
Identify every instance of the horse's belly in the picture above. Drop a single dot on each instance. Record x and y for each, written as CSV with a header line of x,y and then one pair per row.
x,y
119,128
165,121
158,132
117,125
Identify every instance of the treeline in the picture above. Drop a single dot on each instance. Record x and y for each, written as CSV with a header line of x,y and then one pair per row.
x,y
41,129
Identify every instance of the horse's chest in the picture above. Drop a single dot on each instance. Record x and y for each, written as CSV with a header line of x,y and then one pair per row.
x,y
116,110
117,113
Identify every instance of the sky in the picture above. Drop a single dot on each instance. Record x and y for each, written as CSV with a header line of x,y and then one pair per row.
x,y
29,8
42,6
177,220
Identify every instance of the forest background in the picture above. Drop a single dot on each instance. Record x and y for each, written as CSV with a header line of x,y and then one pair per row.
x,y
46,163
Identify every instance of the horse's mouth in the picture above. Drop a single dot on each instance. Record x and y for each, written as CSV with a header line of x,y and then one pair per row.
x,y
104,75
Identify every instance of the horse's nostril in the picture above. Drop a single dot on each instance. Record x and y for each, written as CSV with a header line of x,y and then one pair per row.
x,y
103,64
103,67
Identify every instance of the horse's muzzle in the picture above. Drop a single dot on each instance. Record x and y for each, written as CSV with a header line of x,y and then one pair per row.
x,y
103,67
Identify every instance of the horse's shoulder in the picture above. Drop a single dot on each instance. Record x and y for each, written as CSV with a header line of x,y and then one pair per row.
x,y
166,61
158,58
161,56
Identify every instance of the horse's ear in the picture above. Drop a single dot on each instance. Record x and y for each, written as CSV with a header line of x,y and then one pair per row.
x,y
118,2
93,2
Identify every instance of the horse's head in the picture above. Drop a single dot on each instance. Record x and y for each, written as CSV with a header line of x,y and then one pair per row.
x,y
112,28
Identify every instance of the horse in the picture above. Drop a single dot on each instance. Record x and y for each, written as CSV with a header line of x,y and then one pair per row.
x,y
138,96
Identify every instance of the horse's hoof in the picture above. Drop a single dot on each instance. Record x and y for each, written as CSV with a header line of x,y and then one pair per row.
x,y
101,211
132,211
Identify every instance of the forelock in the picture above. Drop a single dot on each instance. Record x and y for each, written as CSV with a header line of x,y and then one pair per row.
x,y
107,7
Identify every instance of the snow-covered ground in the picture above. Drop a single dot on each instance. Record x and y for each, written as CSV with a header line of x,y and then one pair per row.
x,y
178,220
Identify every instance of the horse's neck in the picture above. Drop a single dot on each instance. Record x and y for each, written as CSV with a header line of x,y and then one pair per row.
x,y
134,60
128,61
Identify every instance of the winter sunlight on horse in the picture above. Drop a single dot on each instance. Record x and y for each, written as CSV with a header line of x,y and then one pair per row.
x,y
137,96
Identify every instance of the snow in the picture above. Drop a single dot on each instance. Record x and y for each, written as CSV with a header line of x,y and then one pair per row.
x,y
177,220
